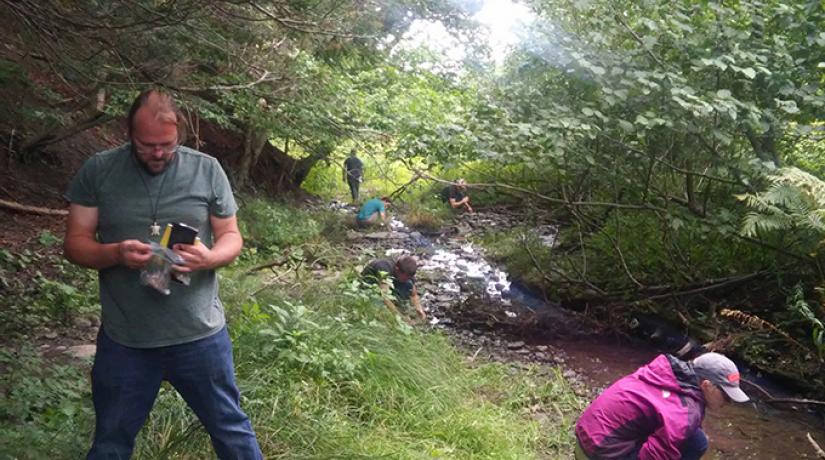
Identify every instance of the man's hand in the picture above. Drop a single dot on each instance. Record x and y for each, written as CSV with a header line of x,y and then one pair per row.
x,y
416,301
196,257
133,253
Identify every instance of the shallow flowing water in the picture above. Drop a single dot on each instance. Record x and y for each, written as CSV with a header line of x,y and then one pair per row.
x,y
454,271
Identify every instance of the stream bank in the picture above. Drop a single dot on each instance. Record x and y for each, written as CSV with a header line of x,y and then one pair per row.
x,y
492,317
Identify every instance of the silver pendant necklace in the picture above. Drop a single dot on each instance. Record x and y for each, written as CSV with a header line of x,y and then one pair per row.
x,y
154,228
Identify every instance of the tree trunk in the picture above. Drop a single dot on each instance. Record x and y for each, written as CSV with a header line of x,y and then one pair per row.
x,y
52,135
254,140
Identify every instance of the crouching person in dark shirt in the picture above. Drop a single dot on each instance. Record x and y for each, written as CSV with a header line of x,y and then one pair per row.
x,y
456,196
657,412
401,273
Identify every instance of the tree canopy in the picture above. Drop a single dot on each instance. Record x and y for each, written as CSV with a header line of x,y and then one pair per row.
x,y
680,142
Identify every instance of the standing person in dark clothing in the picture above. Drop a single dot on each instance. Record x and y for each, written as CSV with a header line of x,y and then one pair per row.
x,y
353,174
120,199
402,273
657,412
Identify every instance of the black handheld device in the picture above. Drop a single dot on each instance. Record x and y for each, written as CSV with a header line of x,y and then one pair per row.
x,y
178,233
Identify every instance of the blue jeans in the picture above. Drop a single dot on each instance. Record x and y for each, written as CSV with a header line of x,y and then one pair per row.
x,y
125,383
354,183
694,447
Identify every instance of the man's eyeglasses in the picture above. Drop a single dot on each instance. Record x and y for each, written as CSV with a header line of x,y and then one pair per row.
x,y
149,149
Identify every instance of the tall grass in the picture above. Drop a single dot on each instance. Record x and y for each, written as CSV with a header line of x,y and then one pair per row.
x,y
326,372
340,379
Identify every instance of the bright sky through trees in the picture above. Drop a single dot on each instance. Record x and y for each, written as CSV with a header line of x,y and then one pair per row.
x,y
503,20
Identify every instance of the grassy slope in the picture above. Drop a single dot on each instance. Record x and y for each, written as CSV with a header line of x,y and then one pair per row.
x,y
324,373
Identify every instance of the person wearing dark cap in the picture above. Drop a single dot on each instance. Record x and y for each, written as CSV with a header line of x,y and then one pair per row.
x,y
657,412
402,274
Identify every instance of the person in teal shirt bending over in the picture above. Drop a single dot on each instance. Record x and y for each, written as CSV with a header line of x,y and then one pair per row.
x,y
374,211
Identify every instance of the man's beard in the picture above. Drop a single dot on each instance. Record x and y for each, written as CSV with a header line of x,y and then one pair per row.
x,y
145,166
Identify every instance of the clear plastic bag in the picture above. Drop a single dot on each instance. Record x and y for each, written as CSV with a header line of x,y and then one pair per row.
x,y
158,272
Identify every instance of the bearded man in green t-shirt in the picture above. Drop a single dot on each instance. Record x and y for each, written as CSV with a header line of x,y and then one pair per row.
x,y
120,199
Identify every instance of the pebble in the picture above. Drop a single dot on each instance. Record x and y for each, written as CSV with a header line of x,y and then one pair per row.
x,y
386,236
515,345
82,351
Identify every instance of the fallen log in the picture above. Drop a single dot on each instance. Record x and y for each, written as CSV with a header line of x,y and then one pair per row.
x,y
773,400
14,206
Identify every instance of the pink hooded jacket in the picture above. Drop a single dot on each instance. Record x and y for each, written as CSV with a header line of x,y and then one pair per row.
x,y
652,410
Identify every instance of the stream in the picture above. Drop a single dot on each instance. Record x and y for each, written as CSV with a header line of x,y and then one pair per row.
x,y
495,317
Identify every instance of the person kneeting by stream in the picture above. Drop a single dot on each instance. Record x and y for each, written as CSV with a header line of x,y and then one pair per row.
x,y
119,201
373,212
401,273
456,196
657,412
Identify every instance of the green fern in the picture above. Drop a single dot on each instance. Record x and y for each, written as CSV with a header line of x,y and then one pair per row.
x,y
795,199
797,303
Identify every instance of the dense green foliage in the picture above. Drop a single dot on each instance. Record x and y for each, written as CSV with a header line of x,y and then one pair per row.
x,y
638,123
40,288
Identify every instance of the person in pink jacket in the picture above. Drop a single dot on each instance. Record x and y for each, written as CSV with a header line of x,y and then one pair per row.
x,y
656,412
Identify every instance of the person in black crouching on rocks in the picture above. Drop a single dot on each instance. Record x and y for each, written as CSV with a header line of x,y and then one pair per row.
x,y
401,273
456,196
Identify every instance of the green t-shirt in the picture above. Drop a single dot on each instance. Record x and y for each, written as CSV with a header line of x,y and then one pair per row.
x,y
191,188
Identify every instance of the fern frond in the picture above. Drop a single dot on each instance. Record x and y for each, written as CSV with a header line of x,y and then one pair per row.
x,y
757,323
753,222
795,198
783,194
811,186
814,220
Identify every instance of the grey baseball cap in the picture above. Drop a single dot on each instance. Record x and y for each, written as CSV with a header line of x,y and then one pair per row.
x,y
721,372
